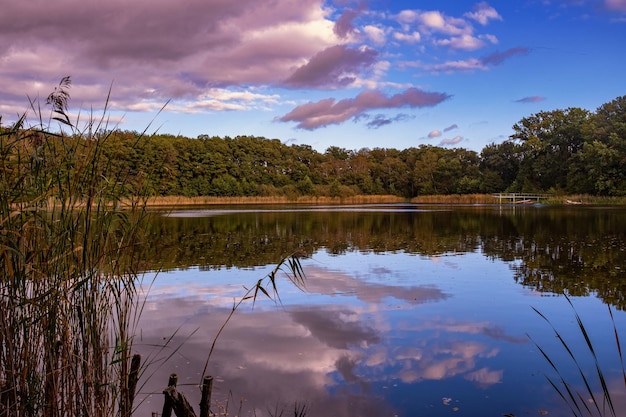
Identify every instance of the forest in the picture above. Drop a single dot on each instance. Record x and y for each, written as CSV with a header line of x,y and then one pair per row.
x,y
570,151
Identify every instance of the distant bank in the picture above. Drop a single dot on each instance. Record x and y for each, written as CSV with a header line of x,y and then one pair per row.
x,y
172,201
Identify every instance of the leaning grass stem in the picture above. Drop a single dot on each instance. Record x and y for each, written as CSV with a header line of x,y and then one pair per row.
x,y
603,403
294,273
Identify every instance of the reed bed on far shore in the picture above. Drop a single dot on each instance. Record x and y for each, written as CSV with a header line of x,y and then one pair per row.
x,y
588,199
168,201
455,199
451,199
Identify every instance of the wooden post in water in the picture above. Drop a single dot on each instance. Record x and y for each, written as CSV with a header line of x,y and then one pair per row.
x,y
129,387
205,402
133,377
167,404
179,403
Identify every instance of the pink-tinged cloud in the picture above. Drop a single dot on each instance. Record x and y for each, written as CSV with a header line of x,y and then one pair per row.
x,y
434,134
464,42
311,116
413,37
483,13
332,67
375,34
531,99
155,50
618,5
435,21
455,140
343,25
380,120
499,57
470,64
453,32
451,127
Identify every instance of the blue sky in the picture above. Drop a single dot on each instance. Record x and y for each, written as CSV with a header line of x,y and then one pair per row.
x,y
383,73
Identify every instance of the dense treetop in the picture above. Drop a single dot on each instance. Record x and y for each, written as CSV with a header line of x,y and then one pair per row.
x,y
564,151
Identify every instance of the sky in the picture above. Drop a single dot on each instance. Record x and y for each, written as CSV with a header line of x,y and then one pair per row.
x,y
352,74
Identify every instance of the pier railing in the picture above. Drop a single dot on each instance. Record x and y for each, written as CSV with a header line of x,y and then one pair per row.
x,y
520,198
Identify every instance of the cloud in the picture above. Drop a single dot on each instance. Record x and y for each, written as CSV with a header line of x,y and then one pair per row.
x,y
332,67
483,13
439,29
323,281
219,99
451,127
155,50
485,377
465,42
311,115
333,329
380,120
343,25
497,58
470,64
435,21
412,37
531,99
376,34
318,351
617,5
454,141
453,66
491,38
434,134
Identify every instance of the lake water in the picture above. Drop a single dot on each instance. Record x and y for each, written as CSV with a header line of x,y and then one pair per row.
x,y
408,310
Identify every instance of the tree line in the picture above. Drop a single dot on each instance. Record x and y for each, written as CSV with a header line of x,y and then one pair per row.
x,y
571,151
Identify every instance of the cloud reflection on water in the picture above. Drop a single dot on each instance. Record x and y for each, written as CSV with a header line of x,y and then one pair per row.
x,y
337,352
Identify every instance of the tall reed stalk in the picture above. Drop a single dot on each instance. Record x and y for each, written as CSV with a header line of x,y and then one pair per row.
x,y
68,268
589,395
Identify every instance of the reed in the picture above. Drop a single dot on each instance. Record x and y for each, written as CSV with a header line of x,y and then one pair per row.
x,y
590,394
67,273
589,199
70,268
178,201
452,199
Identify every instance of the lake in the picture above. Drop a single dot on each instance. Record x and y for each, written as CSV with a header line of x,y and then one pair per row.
x,y
408,310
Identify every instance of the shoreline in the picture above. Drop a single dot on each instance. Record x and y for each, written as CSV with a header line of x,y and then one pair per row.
x,y
454,199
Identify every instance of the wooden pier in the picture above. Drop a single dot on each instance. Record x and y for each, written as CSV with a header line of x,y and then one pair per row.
x,y
520,198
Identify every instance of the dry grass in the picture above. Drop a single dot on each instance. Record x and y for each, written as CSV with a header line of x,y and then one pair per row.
x,y
70,271
170,201
453,199
67,275
589,199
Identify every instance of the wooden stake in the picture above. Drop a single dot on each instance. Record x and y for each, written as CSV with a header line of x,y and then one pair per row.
x,y
167,404
205,402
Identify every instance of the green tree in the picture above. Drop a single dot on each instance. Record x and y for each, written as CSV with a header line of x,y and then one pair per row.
x,y
499,166
549,141
424,171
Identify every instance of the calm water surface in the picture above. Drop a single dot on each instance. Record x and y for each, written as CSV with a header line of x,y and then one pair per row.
x,y
408,310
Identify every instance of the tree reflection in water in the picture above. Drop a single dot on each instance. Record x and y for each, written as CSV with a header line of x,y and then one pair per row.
x,y
404,306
